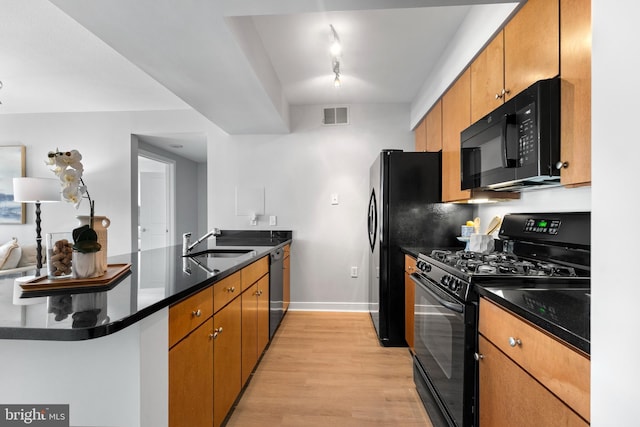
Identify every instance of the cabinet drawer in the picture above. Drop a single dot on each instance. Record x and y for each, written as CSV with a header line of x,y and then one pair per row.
x,y
226,290
561,369
254,271
409,264
188,314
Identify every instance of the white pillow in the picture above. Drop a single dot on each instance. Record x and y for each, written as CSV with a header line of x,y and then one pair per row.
x,y
10,254
29,255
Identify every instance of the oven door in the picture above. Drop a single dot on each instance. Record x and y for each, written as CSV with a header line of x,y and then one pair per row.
x,y
445,341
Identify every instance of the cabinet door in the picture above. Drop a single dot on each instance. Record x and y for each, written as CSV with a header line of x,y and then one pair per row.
x,y
227,369
509,396
456,116
434,128
487,79
421,135
249,331
575,70
263,314
532,45
409,300
191,379
286,282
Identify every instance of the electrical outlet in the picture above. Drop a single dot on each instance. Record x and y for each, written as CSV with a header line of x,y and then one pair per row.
x,y
273,220
354,271
334,199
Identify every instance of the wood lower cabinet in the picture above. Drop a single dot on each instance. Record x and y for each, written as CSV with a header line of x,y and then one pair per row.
x,y
456,116
286,278
509,396
255,325
409,300
216,337
191,378
527,377
227,361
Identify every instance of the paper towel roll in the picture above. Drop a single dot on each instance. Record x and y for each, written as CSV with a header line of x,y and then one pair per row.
x,y
481,243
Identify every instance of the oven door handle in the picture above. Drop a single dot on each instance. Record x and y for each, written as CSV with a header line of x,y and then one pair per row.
x,y
459,308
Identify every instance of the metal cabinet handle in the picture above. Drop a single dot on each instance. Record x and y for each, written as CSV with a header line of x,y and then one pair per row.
x,y
562,165
498,96
216,332
231,289
478,356
514,341
196,313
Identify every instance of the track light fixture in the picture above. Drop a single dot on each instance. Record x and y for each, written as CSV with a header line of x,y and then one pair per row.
x,y
336,52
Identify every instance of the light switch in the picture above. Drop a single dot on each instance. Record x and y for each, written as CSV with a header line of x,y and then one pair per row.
x,y
354,271
273,220
334,199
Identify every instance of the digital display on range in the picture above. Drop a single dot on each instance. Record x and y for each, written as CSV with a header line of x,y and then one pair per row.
x,y
544,226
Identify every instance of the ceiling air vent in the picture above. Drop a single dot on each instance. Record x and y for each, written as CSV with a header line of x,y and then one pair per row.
x,y
335,116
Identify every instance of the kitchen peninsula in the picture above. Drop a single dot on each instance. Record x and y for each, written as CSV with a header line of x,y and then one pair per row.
x,y
112,345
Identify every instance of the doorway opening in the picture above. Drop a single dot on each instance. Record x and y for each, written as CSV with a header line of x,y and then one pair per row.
x,y
156,201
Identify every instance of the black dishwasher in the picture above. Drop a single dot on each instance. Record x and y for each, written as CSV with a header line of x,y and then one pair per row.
x,y
276,294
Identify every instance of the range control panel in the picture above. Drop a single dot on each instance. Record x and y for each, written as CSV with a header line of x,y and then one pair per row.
x,y
544,226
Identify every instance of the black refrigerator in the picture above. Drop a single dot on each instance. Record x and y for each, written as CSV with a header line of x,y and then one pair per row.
x,y
404,211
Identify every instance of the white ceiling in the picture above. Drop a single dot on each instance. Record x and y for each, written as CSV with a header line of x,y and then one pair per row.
x,y
240,63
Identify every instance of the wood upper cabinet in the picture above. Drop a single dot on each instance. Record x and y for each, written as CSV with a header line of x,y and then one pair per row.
x,y
409,300
524,372
191,378
434,127
575,73
456,116
525,51
487,79
420,134
428,133
531,45
227,362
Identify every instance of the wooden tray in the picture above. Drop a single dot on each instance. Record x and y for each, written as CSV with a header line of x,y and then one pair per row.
x,y
42,283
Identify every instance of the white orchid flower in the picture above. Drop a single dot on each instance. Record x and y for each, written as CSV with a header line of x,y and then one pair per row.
x,y
70,177
68,167
69,159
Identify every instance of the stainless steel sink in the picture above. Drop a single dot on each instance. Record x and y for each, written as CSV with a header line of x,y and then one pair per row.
x,y
220,253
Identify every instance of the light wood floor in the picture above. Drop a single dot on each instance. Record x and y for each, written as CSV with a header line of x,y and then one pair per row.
x,y
328,369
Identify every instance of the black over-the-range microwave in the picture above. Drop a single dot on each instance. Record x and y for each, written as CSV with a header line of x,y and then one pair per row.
x,y
517,146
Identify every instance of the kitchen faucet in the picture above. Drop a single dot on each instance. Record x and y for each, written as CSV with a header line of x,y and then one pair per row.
x,y
187,246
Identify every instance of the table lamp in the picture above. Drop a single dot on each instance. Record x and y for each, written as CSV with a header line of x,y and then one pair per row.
x,y
36,190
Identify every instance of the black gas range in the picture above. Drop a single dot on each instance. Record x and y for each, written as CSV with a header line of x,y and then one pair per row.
x,y
541,251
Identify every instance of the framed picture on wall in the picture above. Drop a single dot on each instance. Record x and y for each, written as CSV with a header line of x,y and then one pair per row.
x,y
12,165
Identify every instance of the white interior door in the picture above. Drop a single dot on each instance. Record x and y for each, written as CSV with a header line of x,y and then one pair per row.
x,y
154,229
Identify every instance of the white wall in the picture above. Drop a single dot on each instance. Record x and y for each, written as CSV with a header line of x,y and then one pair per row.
x,y
299,172
104,141
615,287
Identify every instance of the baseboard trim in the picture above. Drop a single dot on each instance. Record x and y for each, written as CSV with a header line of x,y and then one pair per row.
x,y
330,306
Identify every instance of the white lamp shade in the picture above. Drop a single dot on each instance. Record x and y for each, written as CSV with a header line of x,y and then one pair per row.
x,y
36,190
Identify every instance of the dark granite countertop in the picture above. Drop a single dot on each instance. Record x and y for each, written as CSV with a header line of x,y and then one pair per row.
x,y
564,312
158,278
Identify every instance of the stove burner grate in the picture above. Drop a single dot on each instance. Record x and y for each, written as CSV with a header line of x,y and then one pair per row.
x,y
500,263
